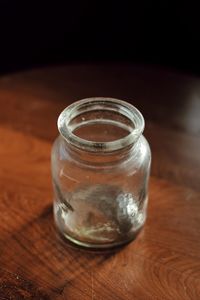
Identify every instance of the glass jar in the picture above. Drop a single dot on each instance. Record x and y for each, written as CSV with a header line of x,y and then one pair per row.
x,y
100,171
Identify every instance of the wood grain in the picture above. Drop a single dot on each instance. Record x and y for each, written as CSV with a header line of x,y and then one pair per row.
x,y
164,261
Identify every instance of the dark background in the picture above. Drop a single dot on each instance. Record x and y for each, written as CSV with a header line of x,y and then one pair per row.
x,y
34,33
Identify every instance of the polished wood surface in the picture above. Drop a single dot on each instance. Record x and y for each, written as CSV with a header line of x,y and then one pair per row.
x,y
164,261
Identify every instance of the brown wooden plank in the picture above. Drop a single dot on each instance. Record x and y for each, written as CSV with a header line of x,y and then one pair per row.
x,y
164,261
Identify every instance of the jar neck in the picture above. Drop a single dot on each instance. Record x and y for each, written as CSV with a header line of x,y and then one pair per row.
x,y
100,158
100,129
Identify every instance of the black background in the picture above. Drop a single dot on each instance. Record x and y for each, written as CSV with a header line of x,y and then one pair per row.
x,y
36,33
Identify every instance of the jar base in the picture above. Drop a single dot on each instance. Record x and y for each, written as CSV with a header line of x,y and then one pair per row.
x,y
90,245
99,216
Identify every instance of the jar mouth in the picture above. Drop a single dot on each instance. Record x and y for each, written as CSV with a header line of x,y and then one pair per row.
x,y
101,124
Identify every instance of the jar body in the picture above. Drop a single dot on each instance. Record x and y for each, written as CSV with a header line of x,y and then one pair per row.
x,y
100,199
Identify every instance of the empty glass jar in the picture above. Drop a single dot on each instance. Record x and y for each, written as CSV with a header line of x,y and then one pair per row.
x,y
100,171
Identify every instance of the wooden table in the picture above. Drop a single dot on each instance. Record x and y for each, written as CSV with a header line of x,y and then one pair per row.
x,y
164,261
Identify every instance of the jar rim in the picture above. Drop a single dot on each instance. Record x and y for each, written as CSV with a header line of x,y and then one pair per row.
x,y
122,107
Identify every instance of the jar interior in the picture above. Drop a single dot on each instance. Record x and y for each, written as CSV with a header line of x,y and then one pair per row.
x,y
101,126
